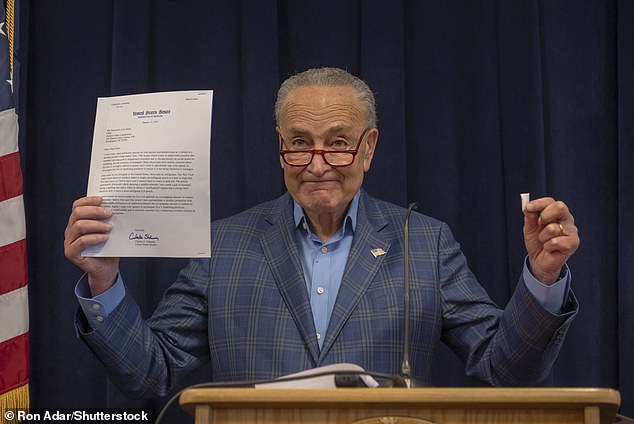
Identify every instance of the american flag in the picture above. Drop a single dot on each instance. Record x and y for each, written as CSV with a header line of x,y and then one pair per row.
x,y
14,313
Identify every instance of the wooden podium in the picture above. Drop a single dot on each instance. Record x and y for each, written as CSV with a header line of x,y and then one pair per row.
x,y
401,406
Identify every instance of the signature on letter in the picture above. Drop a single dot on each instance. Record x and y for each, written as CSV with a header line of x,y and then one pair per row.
x,y
144,236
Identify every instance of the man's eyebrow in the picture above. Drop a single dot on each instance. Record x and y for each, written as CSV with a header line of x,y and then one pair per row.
x,y
297,131
340,129
337,129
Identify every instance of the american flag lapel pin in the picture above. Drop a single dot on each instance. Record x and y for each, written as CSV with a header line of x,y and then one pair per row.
x,y
377,252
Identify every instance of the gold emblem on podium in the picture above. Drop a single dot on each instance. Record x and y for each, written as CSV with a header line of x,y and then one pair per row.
x,y
392,420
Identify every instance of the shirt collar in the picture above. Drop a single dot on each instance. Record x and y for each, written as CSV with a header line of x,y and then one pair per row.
x,y
351,216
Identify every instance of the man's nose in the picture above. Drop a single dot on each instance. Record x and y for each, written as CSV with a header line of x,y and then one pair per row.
x,y
318,165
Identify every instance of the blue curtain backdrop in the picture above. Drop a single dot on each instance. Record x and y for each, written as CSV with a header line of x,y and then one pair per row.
x,y
477,102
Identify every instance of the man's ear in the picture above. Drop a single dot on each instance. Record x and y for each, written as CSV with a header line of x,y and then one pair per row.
x,y
279,143
370,140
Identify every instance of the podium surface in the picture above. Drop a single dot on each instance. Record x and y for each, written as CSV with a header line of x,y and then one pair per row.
x,y
402,406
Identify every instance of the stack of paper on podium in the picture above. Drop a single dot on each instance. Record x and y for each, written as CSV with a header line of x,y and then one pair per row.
x,y
328,376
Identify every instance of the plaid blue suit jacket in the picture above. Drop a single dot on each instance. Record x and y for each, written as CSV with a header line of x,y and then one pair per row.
x,y
247,309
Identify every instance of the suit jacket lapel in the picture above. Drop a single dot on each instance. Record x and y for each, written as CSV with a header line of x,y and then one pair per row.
x,y
280,250
361,267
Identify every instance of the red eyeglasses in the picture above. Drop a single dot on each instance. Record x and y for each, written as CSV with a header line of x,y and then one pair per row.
x,y
337,158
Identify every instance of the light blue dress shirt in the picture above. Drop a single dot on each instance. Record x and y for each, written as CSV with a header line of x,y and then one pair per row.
x,y
323,265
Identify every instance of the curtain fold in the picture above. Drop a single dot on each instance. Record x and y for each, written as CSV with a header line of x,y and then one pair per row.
x,y
477,102
624,301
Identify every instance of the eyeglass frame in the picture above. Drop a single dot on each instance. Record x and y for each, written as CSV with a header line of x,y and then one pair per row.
x,y
321,152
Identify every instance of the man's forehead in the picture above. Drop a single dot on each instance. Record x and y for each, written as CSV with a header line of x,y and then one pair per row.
x,y
321,93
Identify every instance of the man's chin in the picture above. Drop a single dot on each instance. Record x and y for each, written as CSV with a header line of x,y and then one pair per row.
x,y
322,201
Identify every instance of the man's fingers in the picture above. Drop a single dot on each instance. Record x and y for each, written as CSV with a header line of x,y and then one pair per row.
x,y
538,205
86,209
88,201
82,243
86,226
84,234
87,219
90,212
560,244
548,217
556,229
555,211
532,213
549,210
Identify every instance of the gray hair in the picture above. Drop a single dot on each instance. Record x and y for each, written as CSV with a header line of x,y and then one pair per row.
x,y
329,77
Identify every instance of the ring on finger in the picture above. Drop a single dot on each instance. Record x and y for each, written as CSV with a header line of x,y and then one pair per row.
x,y
561,229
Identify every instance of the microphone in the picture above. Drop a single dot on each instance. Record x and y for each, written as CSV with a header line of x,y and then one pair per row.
x,y
406,369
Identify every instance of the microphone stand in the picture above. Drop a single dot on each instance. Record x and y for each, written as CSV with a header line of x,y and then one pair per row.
x,y
406,369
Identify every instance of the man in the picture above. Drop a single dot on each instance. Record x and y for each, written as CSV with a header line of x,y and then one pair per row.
x,y
315,277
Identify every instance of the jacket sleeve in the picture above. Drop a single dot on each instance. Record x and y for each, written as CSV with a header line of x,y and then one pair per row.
x,y
516,346
146,358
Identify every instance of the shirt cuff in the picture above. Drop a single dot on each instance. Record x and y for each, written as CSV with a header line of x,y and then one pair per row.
x,y
552,297
99,307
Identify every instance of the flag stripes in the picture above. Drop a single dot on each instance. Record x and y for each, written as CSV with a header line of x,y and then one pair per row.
x,y
14,303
